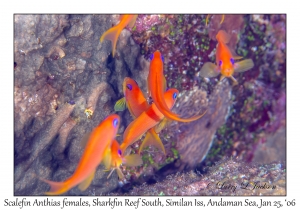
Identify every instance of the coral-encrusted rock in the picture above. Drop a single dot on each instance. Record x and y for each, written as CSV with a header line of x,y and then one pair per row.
x,y
194,139
62,69
225,178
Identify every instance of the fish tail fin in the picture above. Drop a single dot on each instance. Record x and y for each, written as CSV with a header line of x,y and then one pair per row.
x,y
222,19
132,21
112,34
152,139
222,36
56,188
206,19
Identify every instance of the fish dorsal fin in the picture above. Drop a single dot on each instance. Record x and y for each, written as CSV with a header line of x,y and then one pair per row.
x,y
132,21
133,160
85,139
107,159
209,70
243,65
234,55
86,183
237,57
164,84
162,125
120,105
152,138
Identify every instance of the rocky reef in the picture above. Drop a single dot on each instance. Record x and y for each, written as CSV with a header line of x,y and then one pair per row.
x,y
66,82
226,177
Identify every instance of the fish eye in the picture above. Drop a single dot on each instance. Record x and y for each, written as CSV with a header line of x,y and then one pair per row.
x,y
129,86
151,57
220,63
119,152
174,95
115,122
232,61
162,58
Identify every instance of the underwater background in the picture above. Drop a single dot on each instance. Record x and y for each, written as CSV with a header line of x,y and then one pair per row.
x,y
66,81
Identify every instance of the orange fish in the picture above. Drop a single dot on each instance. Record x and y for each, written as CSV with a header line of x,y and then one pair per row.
x,y
115,159
157,86
97,146
133,98
225,59
137,104
147,120
113,33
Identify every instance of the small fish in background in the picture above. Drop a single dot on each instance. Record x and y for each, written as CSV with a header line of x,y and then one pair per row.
x,y
157,87
114,159
136,102
145,121
225,58
113,33
97,147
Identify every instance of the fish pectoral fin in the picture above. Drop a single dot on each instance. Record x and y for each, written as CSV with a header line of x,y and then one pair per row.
x,y
133,160
209,70
107,158
120,105
132,21
86,183
162,125
243,65
152,139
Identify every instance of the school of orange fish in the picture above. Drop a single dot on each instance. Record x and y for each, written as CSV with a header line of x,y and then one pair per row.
x,y
148,119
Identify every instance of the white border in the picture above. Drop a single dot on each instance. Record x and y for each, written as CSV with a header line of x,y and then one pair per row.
x,y
153,6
